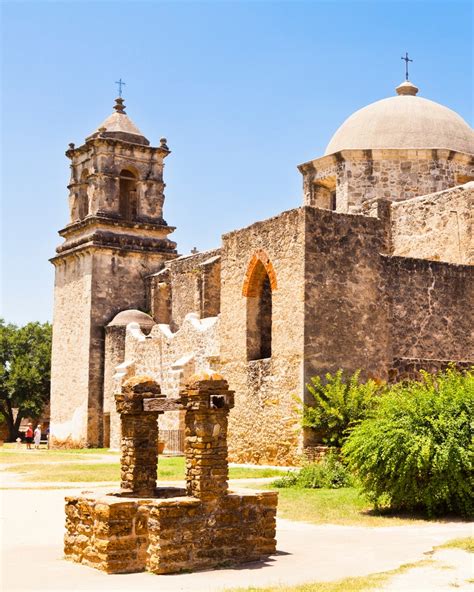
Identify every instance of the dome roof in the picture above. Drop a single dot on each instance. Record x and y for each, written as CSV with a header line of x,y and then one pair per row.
x,y
401,122
119,126
132,316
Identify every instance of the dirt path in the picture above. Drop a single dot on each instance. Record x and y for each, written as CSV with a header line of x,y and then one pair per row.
x,y
32,529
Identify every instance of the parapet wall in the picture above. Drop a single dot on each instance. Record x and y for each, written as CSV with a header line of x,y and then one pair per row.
x,y
436,226
188,284
169,358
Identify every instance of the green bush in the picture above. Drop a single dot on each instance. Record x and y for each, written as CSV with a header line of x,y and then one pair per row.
x,y
330,473
339,405
416,452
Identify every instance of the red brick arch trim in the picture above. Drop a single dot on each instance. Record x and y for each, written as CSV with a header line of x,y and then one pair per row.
x,y
258,266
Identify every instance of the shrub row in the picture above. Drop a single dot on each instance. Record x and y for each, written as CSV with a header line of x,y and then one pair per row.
x,y
329,473
410,445
416,451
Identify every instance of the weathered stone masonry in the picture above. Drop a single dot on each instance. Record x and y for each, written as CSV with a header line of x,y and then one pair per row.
x,y
360,176
115,238
372,273
162,530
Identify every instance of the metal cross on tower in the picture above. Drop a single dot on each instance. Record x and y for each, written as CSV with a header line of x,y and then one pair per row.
x,y
120,83
406,60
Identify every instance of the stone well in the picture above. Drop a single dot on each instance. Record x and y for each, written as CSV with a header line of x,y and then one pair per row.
x,y
165,529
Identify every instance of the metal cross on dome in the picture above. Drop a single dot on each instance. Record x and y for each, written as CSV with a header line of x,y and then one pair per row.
x,y
406,60
120,83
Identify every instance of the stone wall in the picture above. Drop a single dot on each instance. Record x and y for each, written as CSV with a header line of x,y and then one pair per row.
x,y
90,290
118,284
409,368
114,355
430,309
346,317
314,453
338,300
158,296
437,226
126,535
171,358
70,350
264,426
364,175
160,529
194,287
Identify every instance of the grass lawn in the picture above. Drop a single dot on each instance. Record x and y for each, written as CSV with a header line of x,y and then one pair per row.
x,y
344,506
94,465
319,506
335,506
73,472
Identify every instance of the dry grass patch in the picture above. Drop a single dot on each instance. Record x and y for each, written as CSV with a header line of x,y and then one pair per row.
x,y
356,584
466,544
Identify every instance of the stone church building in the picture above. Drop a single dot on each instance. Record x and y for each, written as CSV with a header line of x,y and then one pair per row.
x,y
373,272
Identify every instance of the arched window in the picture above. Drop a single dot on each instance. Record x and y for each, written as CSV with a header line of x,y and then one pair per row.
x,y
259,284
128,202
83,197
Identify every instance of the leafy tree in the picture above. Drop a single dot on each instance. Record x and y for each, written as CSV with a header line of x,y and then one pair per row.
x,y
339,404
417,451
25,356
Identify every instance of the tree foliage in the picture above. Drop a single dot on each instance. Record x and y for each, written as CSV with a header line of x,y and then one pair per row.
x,y
416,452
339,404
25,355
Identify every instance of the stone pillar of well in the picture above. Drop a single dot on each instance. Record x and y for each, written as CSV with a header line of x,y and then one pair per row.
x,y
207,401
139,445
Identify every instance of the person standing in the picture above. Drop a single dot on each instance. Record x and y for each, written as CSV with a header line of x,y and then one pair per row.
x,y
29,436
38,436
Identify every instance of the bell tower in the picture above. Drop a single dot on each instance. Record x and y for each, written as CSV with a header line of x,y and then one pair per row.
x,y
115,237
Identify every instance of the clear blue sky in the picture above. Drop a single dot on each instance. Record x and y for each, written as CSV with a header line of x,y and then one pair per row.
x,y
244,91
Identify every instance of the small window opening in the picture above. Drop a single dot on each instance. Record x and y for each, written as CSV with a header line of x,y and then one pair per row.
x,y
259,316
128,202
218,402
324,193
